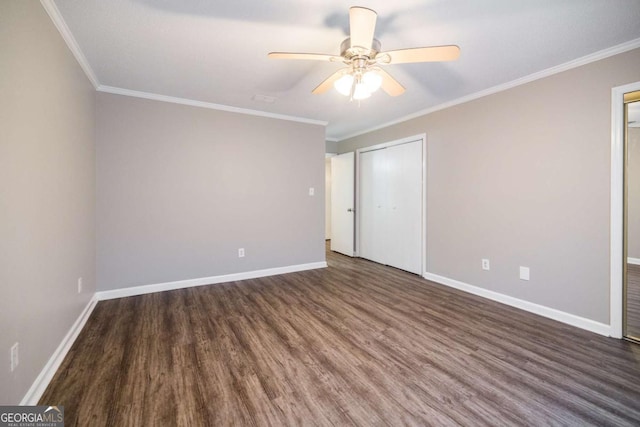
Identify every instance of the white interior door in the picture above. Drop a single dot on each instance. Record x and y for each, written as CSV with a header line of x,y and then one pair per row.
x,y
342,203
390,204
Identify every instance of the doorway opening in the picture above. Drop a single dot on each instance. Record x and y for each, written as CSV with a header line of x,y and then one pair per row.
x,y
623,210
378,203
631,250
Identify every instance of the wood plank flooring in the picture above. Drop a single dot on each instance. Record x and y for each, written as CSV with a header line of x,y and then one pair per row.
x,y
353,344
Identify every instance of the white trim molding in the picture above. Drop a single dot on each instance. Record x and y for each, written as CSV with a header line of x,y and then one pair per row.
x,y
44,378
181,284
541,310
617,205
53,12
42,381
597,56
203,104
59,22
634,261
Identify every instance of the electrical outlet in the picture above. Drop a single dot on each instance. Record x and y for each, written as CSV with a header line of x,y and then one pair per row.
x,y
486,265
79,284
524,273
241,253
15,361
312,191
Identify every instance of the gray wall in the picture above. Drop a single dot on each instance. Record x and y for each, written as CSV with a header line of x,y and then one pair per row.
x,y
331,147
522,177
633,193
47,187
181,188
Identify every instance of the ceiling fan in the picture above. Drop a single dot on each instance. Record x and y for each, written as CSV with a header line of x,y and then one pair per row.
x,y
361,53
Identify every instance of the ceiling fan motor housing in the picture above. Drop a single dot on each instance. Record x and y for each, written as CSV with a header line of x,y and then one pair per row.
x,y
350,52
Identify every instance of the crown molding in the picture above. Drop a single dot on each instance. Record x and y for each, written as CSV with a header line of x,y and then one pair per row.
x,y
597,56
53,12
55,15
202,104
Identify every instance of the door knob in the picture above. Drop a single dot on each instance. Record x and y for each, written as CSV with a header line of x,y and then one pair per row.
x,y
350,210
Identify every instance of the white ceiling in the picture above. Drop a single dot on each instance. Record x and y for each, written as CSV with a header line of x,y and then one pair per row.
x,y
215,51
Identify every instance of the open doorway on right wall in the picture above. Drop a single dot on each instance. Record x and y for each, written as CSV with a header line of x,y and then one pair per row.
x,y
625,207
631,272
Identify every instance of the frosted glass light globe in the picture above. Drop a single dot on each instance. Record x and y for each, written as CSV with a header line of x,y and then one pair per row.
x,y
343,84
361,92
372,80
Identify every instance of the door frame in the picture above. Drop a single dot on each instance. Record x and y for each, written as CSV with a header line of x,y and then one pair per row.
x,y
617,207
423,235
327,195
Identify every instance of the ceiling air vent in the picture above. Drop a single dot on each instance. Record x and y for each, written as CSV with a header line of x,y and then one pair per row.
x,y
264,98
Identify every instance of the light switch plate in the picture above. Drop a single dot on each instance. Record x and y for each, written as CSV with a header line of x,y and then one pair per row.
x,y
15,360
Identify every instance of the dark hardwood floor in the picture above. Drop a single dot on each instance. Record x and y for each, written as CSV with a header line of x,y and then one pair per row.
x,y
353,344
633,301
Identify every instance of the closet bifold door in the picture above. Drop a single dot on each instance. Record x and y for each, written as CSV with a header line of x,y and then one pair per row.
x,y
404,199
391,205
373,205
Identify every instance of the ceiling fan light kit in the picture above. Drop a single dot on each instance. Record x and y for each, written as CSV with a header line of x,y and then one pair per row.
x,y
358,84
362,55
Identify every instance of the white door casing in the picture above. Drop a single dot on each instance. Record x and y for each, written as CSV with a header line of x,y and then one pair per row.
x,y
617,207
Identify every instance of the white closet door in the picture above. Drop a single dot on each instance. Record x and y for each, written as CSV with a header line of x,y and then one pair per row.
x,y
391,206
404,200
373,205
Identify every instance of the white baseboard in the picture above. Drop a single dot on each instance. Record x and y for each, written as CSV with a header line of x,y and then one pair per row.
x,y
634,261
180,284
551,313
42,381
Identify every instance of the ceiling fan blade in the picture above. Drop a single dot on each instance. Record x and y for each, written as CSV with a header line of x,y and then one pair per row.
x,y
420,54
305,56
362,25
389,84
328,83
